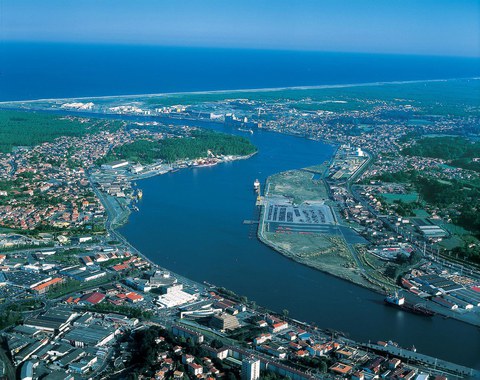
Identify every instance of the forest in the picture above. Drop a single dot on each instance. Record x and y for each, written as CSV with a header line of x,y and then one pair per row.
x,y
457,151
20,128
195,146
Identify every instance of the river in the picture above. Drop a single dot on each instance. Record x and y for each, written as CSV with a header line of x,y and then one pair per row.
x,y
191,222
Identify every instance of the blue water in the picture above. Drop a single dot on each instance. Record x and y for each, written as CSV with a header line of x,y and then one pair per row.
x,y
53,70
191,222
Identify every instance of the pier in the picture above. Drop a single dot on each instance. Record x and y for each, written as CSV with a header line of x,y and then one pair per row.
x,y
437,365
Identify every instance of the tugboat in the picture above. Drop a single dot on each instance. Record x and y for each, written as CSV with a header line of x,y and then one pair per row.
x,y
399,302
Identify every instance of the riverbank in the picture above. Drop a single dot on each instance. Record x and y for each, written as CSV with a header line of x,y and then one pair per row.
x,y
323,246
315,244
119,209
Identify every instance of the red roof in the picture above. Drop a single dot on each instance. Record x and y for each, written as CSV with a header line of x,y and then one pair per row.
x,y
93,298
119,267
47,284
134,296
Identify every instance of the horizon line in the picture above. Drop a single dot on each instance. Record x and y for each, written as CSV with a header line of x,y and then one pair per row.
x,y
265,89
474,55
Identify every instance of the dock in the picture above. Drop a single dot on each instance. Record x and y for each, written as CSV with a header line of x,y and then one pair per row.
x,y
246,221
437,365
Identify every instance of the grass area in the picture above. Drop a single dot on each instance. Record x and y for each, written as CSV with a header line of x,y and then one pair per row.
x,y
20,128
407,198
129,311
65,257
298,186
70,286
112,262
327,253
420,213
320,169
451,243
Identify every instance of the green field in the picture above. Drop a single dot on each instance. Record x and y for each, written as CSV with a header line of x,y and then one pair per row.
x,y
298,186
420,213
407,198
20,128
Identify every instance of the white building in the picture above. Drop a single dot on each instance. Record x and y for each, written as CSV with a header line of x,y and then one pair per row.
x,y
175,298
250,369
115,165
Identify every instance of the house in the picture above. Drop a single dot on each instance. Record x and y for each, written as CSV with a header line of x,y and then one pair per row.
x,y
134,297
195,369
262,339
278,326
187,359
340,368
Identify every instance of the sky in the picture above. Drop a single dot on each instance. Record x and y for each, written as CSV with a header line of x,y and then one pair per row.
x,y
427,27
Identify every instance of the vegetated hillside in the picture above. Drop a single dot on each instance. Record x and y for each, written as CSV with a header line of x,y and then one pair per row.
x,y
461,199
20,128
195,146
459,151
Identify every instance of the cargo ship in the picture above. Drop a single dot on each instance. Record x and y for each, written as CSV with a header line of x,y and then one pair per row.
x,y
399,302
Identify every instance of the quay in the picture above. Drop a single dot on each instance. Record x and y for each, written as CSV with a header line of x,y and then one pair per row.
x,y
428,361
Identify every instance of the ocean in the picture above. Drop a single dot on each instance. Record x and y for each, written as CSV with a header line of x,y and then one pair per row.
x,y
56,70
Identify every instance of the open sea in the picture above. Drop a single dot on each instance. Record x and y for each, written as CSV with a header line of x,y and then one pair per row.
x,y
55,70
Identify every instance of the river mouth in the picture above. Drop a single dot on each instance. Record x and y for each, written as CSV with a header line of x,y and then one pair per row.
x,y
191,222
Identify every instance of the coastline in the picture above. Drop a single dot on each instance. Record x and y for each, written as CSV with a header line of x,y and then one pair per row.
x,y
239,91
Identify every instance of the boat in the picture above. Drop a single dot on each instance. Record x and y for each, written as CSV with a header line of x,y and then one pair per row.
x,y
256,184
400,303
139,194
246,130
207,164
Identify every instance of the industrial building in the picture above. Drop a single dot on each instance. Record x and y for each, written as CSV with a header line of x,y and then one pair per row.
x,y
174,298
94,335
54,320
115,165
224,322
